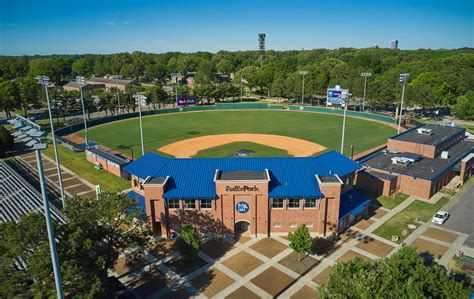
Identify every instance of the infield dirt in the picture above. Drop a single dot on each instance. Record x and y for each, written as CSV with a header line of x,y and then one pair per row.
x,y
190,147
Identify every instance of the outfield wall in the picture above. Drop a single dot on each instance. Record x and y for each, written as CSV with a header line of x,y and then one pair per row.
x,y
233,106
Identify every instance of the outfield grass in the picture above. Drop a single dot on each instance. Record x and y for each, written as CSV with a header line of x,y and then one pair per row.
x,y
165,129
418,209
390,202
228,150
77,163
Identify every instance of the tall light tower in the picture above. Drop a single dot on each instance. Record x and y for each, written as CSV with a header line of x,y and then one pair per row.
x,y
303,73
261,46
43,80
139,99
403,78
32,139
365,75
81,81
116,77
176,76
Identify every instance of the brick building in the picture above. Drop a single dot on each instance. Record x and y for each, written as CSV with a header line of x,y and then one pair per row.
x,y
258,196
419,161
120,84
74,86
106,160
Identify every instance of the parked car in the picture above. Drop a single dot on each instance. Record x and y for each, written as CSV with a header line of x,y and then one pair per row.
x,y
440,217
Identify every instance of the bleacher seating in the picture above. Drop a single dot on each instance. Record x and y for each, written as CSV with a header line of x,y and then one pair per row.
x,y
18,197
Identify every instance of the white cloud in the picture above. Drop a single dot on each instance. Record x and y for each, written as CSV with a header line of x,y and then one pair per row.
x,y
110,23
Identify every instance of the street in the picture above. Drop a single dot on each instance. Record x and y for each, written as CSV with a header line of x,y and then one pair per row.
x,y
461,218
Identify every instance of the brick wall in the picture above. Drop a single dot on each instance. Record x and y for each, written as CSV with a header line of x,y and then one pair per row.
x,y
375,185
105,164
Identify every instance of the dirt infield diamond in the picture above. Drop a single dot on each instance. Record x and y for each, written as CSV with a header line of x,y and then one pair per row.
x,y
352,254
306,292
375,247
268,247
244,293
323,277
441,235
273,281
242,263
212,282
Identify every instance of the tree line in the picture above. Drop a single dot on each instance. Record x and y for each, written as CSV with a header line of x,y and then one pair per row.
x,y
437,77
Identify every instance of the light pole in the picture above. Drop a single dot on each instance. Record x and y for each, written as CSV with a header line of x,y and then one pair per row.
x,y
403,78
139,98
303,73
81,81
43,80
343,128
116,77
32,139
241,88
176,76
365,75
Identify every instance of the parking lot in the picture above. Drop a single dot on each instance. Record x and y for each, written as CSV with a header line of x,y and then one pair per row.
x,y
461,218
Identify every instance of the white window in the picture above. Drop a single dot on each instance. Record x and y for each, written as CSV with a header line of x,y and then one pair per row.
x,y
292,224
277,203
310,203
294,203
276,224
173,203
189,203
309,224
206,203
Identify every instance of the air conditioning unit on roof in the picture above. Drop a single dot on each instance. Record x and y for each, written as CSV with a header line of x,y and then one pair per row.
x,y
425,131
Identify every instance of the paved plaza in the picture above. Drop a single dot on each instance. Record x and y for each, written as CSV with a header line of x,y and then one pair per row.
x,y
267,268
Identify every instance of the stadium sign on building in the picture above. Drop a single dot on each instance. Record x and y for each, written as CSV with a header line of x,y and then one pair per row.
x,y
257,196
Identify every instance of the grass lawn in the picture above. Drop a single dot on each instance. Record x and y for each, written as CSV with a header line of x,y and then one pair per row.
x,y
390,202
165,129
418,209
77,163
228,150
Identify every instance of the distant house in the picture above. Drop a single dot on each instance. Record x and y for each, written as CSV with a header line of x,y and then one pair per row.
x,y
73,86
110,83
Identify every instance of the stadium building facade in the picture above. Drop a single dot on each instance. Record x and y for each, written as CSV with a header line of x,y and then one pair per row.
x,y
258,196
419,162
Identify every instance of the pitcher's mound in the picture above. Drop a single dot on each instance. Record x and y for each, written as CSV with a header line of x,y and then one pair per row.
x,y
190,147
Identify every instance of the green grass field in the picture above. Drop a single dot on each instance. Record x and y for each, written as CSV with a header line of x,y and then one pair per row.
x,y
417,209
165,129
228,150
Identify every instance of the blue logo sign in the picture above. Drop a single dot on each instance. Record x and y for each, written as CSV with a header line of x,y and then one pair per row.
x,y
242,207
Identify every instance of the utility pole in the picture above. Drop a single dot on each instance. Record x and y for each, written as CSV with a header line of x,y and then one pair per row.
x,y
303,73
139,98
241,88
365,75
343,128
43,80
403,78
81,81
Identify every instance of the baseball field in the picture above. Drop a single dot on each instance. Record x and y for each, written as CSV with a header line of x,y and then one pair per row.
x,y
301,133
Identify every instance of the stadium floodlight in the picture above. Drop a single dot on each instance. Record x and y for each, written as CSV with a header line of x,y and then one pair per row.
x,y
81,82
139,99
403,78
346,101
37,145
43,80
116,77
303,73
365,75
176,76
261,46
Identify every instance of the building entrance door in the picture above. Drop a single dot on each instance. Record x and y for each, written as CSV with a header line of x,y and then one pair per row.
x,y
241,228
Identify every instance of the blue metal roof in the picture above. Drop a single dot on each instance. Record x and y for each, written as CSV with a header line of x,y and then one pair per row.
x,y
352,202
140,200
289,176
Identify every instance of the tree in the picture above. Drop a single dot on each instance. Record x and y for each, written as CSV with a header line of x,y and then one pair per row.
x,y
188,242
88,246
464,107
301,241
9,94
402,275
224,66
6,140
28,91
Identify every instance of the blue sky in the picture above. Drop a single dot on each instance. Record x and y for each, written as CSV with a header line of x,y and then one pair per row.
x,y
103,26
